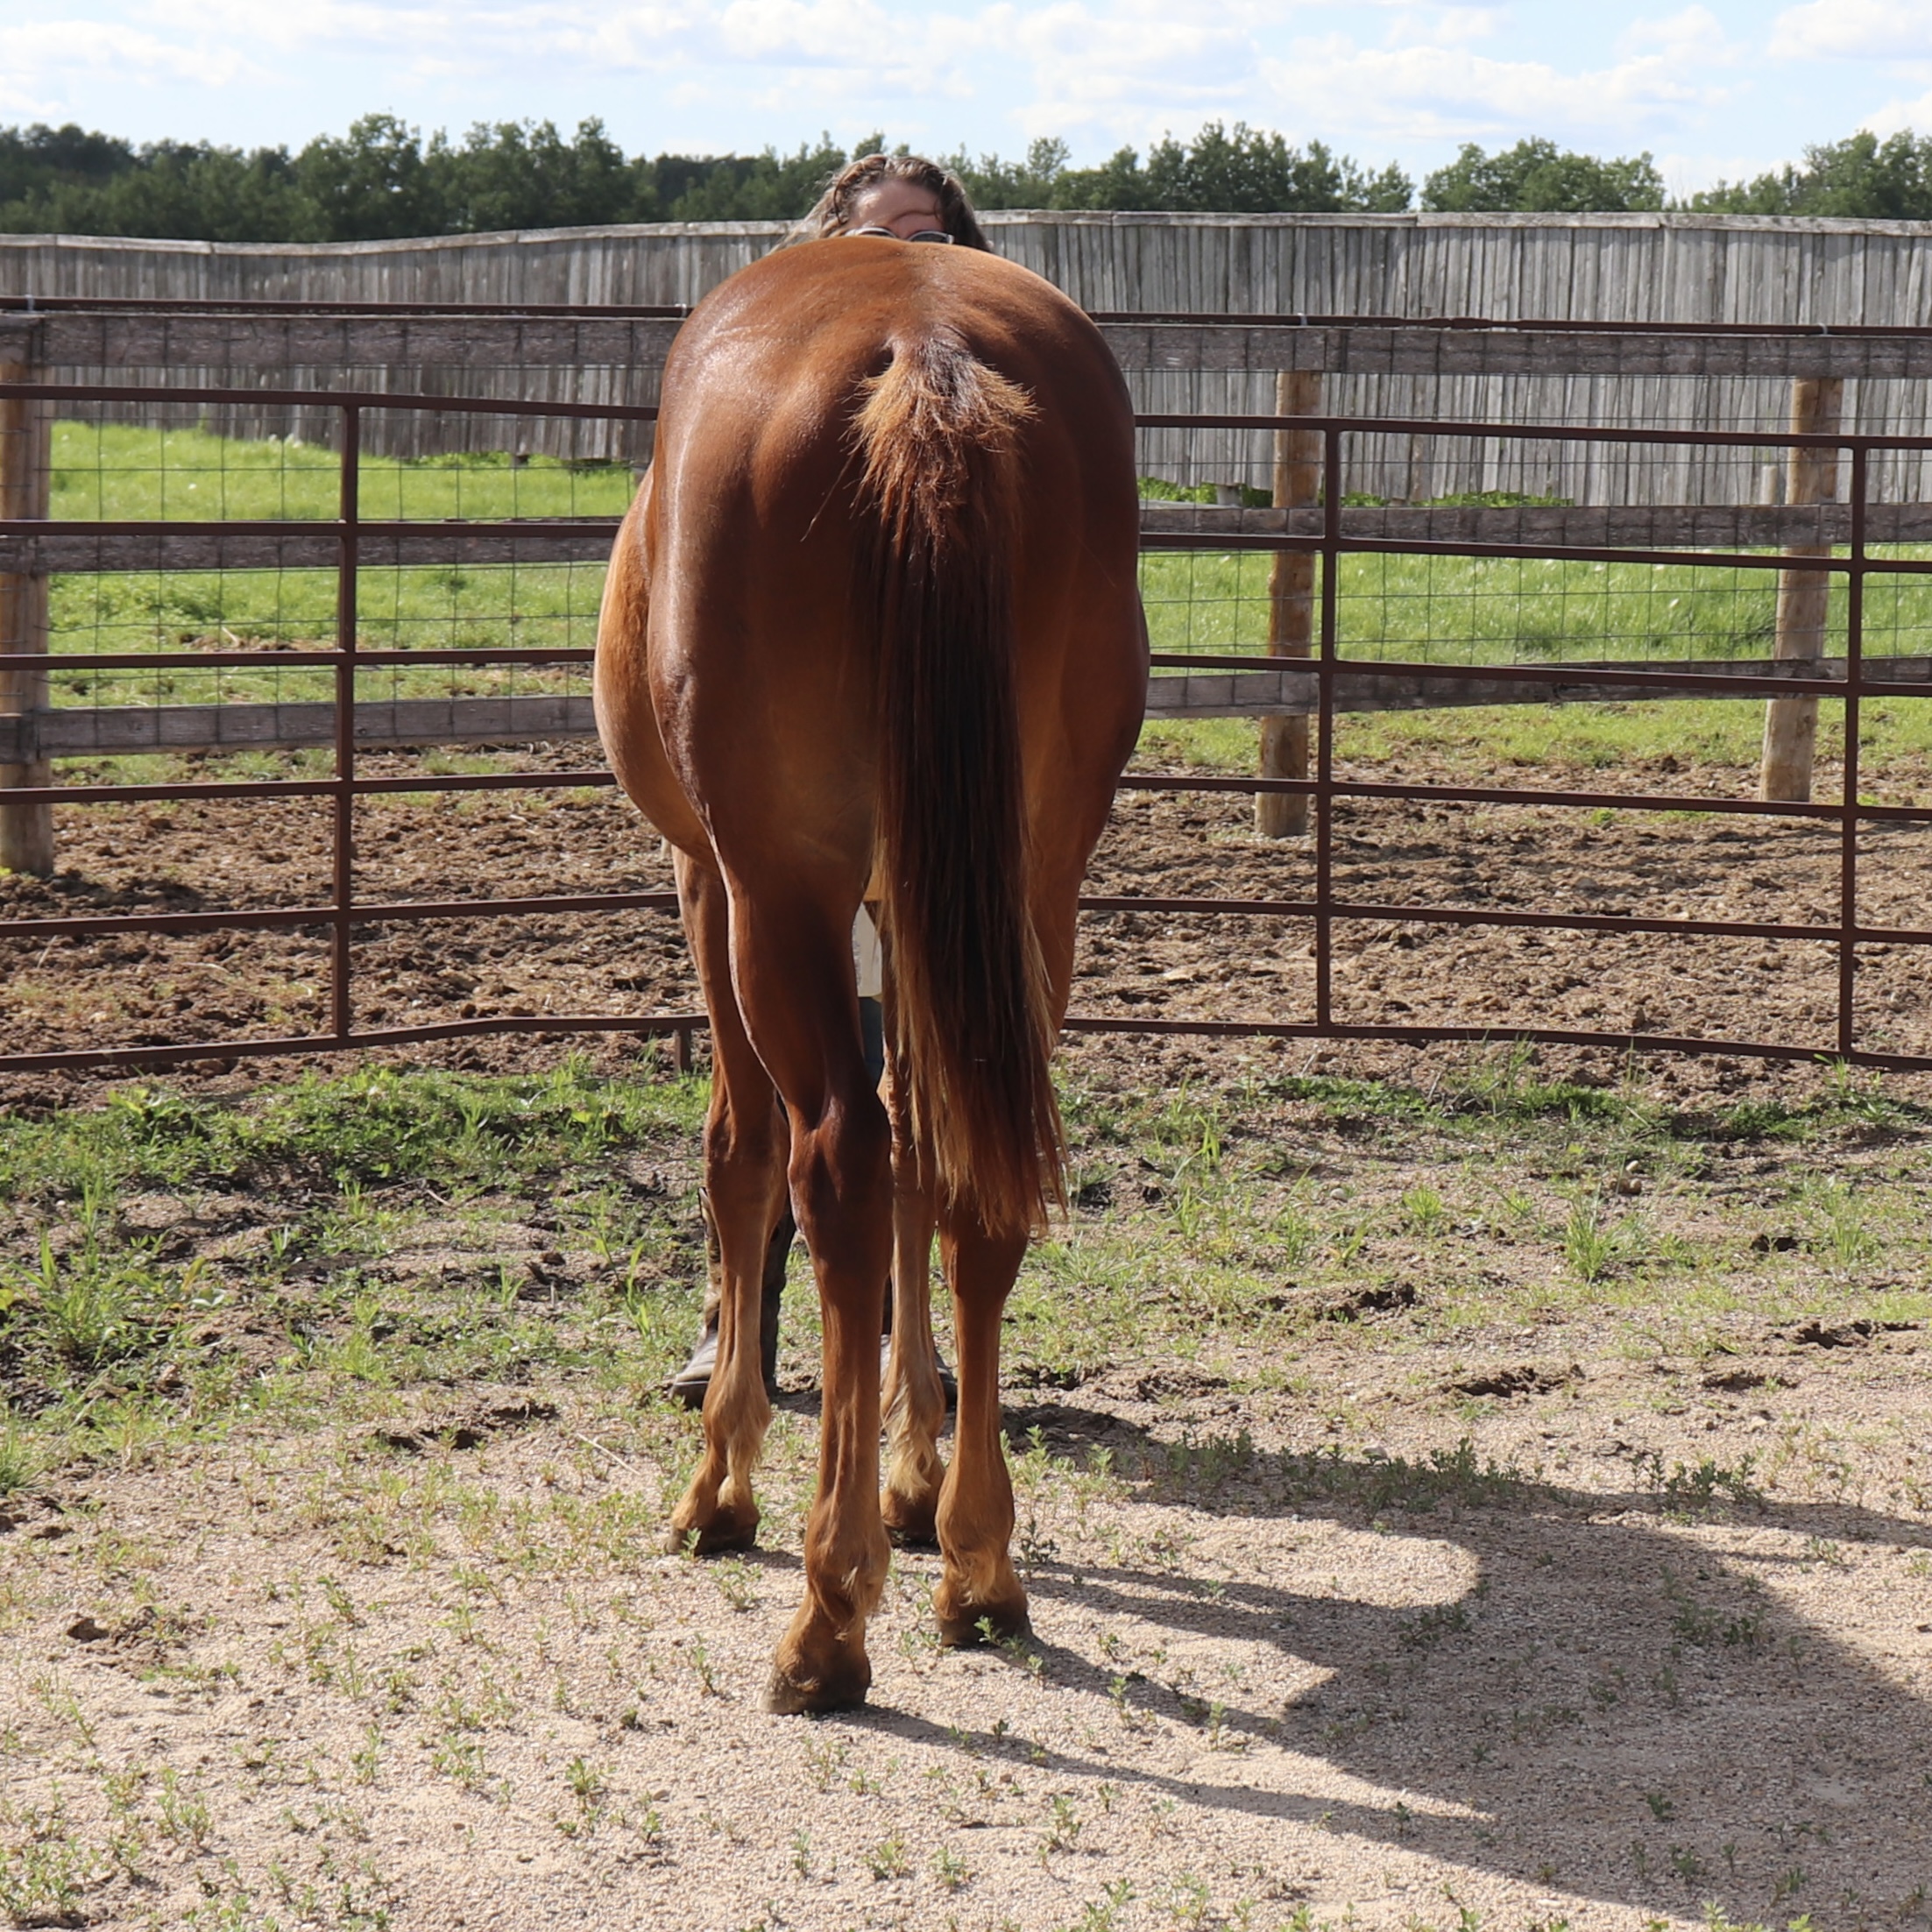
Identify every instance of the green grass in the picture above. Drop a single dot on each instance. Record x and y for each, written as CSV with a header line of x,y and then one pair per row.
x,y
1500,744
115,1266
175,1268
1498,611
118,471
1444,610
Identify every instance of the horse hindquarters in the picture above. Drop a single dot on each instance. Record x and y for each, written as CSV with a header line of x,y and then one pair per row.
x,y
838,677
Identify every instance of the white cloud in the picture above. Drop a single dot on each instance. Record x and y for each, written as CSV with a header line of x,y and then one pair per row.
x,y
1694,34
99,46
1900,116
1899,30
52,65
1447,92
1446,26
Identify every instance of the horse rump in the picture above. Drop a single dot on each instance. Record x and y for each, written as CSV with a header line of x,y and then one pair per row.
x,y
972,1027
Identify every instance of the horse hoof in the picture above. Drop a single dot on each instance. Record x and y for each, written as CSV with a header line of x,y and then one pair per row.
x,y
990,1623
789,1696
723,1533
909,1523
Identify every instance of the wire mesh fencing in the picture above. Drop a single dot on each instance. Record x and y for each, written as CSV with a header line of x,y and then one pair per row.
x,y
322,707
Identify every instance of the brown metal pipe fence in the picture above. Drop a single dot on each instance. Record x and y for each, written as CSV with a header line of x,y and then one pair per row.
x,y
343,915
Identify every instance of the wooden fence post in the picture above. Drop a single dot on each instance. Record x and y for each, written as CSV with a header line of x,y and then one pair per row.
x,y
27,832
1791,724
1291,603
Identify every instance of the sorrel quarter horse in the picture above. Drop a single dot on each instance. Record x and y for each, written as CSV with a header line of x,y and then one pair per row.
x,y
872,634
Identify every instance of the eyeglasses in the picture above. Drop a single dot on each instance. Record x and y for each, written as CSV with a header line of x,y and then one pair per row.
x,y
924,234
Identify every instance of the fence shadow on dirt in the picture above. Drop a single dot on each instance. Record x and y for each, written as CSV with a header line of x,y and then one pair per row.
x,y
1607,1709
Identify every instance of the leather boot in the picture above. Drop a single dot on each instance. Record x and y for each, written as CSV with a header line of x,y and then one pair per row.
x,y
689,1384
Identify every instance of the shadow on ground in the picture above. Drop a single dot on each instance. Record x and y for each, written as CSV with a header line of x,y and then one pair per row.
x,y
1619,1703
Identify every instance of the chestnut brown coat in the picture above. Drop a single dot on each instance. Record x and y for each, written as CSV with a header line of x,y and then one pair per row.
x,y
872,633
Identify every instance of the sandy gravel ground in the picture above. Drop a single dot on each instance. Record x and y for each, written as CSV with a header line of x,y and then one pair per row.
x,y
455,1688
1545,1620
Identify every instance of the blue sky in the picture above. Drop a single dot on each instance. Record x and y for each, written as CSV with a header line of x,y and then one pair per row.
x,y
1718,89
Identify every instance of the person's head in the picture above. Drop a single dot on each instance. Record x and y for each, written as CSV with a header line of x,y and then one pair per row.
x,y
899,192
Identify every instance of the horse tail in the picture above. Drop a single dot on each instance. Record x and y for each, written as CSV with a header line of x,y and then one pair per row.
x,y
972,1027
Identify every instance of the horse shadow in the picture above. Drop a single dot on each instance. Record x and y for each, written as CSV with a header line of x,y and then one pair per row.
x,y
1598,1704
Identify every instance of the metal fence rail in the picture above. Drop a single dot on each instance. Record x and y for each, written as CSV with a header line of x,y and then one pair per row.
x,y
1321,687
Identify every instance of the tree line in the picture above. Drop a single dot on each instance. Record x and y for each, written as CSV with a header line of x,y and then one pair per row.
x,y
383,180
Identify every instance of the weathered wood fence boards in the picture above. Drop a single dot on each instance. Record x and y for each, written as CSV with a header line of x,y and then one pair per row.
x,y
1649,268
1544,528
1670,269
1284,688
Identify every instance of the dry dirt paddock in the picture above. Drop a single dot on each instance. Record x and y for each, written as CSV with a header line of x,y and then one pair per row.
x,y
192,856
1355,1656
1458,1489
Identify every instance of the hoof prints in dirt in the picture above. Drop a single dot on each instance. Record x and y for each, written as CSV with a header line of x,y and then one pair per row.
x,y
1526,1380
471,1432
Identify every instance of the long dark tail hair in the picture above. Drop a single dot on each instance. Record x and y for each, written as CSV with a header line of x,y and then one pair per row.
x,y
973,1030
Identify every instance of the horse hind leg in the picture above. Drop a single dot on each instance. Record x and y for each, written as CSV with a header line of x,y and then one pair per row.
x,y
978,1591
744,1142
915,1400
841,1182
792,960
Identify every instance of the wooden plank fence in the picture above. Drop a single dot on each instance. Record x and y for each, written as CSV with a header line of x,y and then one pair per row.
x,y
1718,270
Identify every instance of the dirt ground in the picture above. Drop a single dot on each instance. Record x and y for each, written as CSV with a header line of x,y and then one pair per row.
x,y
136,989
1424,1588
1357,1657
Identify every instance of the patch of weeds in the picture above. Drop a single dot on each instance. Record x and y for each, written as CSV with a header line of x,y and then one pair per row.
x,y
1206,1462
1065,1826
888,1859
84,1308
589,1787
1187,1900
1593,1245
1455,1478
824,1762
1431,1625
1706,1626
184,1813
1423,1211
21,1461
1848,1238
459,1759
950,1869
737,1583
46,1873
1687,1491
1098,1915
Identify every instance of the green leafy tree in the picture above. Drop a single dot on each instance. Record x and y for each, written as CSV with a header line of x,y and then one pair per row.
x,y
35,160
1859,177
1239,171
770,187
1538,177
374,184
179,189
1250,172
524,174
